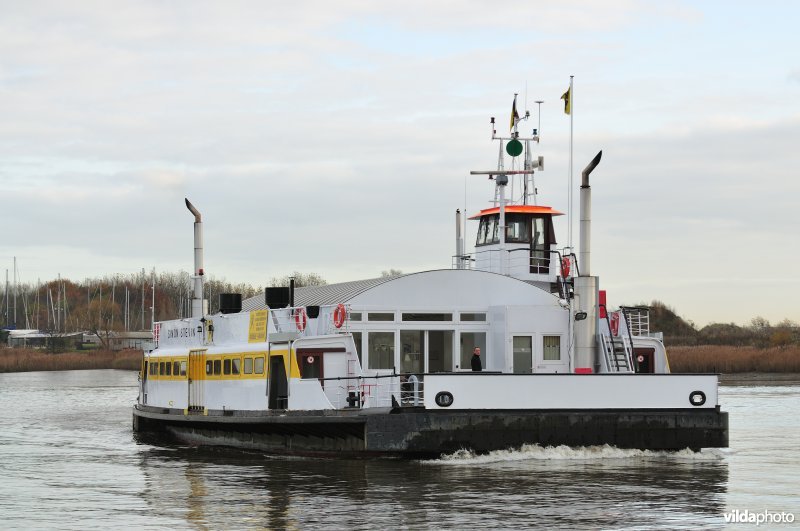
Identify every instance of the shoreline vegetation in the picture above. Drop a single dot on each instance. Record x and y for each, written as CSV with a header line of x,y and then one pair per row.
x,y
682,359
28,360
732,360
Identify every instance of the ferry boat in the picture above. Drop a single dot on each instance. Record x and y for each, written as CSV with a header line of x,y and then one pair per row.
x,y
384,367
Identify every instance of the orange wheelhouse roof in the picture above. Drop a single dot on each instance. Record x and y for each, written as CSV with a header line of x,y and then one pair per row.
x,y
518,209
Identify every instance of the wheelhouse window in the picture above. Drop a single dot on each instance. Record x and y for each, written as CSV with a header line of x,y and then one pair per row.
x,y
487,230
543,238
518,229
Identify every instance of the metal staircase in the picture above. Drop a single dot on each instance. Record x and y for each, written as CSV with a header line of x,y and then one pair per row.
x,y
617,352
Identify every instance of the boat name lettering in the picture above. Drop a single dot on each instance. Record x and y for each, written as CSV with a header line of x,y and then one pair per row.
x,y
186,331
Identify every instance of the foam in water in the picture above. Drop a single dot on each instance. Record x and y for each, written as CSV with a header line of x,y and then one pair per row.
x,y
564,453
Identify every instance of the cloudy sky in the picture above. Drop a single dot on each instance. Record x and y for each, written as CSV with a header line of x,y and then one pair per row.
x,y
337,138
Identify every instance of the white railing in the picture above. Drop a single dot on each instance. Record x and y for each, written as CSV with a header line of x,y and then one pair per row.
x,y
518,261
380,390
295,320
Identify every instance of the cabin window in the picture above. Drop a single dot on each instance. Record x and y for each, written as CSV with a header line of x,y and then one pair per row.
x,y
183,368
551,348
380,347
169,368
153,369
427,317
357,341
373,316
236,364
209,367
248,365
176,368
258,365
226,366
412,346
468,341
355,316
162,369
217,367
473,317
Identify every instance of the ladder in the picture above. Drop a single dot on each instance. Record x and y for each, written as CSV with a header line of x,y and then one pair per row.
x,y
617,353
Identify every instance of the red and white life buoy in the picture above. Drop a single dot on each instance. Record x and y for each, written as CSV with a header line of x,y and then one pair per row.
x,y
614,323
565,267
300,319
339,315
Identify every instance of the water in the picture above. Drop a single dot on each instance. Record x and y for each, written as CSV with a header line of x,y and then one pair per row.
x,y
69,460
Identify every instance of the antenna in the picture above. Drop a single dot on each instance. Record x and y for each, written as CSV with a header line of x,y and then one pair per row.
x,y
539,126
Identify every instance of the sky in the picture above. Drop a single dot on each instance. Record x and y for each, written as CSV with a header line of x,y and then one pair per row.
x,y
337,138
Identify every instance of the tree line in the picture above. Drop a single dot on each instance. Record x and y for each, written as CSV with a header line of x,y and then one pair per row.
x,y
759,332
116,303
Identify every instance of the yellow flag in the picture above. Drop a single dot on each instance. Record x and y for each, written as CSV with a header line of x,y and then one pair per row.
x,y
567,97
514,113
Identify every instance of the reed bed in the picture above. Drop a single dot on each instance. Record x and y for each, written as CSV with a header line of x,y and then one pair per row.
x,y
725,359
24,360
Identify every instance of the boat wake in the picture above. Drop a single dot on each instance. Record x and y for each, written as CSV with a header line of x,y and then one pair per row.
x,y
534,452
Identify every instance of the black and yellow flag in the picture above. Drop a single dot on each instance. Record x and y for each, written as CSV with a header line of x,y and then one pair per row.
x,y
567,97
514,113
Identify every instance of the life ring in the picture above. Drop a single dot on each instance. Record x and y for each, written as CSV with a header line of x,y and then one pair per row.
x,y
339,315
565,267
300,319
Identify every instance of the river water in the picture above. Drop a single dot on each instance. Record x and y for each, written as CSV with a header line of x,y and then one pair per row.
x,y
69,460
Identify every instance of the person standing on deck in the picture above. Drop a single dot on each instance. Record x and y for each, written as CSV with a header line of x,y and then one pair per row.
x,y
476,359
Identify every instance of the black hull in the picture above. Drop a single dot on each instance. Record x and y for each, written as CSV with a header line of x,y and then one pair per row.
x,y
419,433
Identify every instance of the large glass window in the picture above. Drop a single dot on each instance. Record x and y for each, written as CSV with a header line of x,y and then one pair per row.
x,y
380,351
523,354
412,347
552,348
440,350
470,340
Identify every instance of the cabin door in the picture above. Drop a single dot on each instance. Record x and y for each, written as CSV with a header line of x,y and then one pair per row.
x,y
197,379
278,385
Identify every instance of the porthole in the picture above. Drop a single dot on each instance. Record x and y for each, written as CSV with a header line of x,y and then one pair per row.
x,y
697,398
444,399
